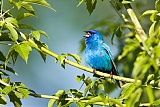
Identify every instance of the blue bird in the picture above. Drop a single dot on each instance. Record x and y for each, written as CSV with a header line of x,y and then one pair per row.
x,y
98,54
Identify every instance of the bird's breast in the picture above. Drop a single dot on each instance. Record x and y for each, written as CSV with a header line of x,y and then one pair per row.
x,y
97,58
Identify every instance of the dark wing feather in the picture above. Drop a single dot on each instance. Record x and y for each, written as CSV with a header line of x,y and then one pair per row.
x,y
114,69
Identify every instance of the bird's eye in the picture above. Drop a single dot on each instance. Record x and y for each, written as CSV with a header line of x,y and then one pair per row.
x,y
91,33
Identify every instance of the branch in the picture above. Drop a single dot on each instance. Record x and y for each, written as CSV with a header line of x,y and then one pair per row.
x,y
112,2
79,100
2,82
43,49
89,69
77,66
70,98
137,24
142,36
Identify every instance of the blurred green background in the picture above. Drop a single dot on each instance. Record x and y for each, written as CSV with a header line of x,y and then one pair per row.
x,y
65,29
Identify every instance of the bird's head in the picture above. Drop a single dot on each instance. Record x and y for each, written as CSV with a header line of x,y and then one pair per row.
x,y
93,35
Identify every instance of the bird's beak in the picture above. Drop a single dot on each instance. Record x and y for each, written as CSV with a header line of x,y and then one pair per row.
x,y
87,34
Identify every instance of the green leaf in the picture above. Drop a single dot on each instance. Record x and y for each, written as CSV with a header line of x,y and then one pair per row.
x,y
61,59
76,57
36,35
23,16
149,12
40,2
28,7
14,98
150,93
3,73
141,59
18,4
3,100
101,86
80,104
152,28
67,103
128,89
153,17
24,91
14,56
79,78
157,5
5,36
156,102
134,98
18,94
104,100
116,101
5,67
7,89
63,56
51,102
11,70
6,80
132,44
13,32
76,93
95,99
23,50
12,21
89,88
43,33
2,23
10,52
117,32
151,41
157,51
2,58
91,5
43,55
60,93
26,26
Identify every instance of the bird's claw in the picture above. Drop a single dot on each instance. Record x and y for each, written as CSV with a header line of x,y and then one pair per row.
x,y
111,75
94,71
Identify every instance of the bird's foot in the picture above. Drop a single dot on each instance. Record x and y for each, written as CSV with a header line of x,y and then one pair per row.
x,y
111,75
94,71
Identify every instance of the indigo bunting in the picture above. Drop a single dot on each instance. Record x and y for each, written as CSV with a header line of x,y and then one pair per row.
x,y
98,54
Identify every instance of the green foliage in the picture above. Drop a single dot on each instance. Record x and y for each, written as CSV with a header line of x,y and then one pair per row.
x,y
61,58
139,57
91,5
11,30
140,52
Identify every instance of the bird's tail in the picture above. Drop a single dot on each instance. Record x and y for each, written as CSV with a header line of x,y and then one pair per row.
x,y
114,72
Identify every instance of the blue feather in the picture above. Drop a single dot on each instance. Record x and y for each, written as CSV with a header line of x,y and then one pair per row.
x,y
98,54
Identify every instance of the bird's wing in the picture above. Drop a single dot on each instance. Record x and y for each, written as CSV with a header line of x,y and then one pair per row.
x,y
114,69
106,47
111,56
